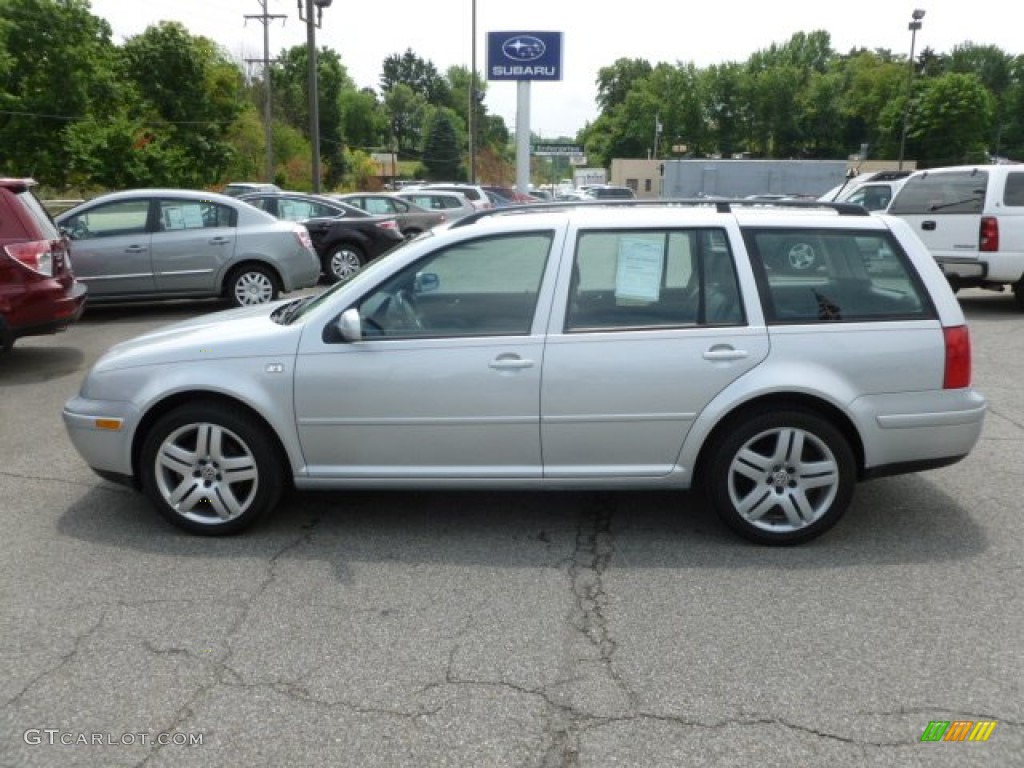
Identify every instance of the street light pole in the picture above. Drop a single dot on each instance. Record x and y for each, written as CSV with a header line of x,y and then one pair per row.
x,y
915,24
314,98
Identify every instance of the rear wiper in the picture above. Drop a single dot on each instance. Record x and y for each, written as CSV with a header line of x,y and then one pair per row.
x,y
940,206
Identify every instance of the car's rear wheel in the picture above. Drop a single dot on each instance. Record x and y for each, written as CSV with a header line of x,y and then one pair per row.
x,y
411,232
210,469
343,261
781,478
250,285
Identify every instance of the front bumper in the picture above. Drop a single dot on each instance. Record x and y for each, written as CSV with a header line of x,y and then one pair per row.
x,y
102,433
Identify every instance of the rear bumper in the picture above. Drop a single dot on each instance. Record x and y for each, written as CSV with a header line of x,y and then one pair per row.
x,y
918,430
61,312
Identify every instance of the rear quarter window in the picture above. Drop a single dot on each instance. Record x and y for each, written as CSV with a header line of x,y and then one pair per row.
x,y
942,193
834,276
1013,194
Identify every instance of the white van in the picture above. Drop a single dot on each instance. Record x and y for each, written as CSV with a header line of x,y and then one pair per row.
x,y
971,218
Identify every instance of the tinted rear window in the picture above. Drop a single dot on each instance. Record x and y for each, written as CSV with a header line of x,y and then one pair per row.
x,y
39,214
938,193
830,276
1014,192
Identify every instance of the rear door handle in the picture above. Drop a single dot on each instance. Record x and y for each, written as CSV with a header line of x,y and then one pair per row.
x,y
509,363
136,249
219,240
724,353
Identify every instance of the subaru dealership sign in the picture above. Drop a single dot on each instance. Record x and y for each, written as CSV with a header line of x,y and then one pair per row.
x,y
524,55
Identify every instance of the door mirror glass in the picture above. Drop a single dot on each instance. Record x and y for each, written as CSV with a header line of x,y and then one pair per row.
x,y
426,282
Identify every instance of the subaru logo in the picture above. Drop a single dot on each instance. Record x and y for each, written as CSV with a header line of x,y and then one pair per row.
x,y
523,48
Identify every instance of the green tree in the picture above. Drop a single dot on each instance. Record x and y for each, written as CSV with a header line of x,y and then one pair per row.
x,y
407,110
442,155
290,80
56,68
950,121
418,74
191,93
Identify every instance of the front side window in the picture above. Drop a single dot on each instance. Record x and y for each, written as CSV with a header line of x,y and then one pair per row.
x,y
124,217
831,276
942,193
629,280
178,215
484,287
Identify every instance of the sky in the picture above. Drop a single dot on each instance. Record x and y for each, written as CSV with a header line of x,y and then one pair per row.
x,y
595,34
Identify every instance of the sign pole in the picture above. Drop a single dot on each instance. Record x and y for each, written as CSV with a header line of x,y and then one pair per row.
x,y
523,136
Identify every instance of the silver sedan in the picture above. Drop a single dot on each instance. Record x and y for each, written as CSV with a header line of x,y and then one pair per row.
x,y
173,243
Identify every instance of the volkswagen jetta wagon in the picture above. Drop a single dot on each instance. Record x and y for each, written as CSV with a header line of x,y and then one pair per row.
x,y
588,345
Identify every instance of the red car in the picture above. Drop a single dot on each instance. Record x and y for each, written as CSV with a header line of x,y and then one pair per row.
x,y
38,290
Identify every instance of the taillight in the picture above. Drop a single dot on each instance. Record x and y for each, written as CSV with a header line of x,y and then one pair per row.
x,y
988,234
958,357
390,224
35,255
302,235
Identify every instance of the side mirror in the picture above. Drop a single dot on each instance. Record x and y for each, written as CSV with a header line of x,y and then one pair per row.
x,y
426,282
350,325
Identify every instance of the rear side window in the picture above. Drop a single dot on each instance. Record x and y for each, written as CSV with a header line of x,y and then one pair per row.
x,y
832,276
942,193
1013,194
636,279
39,214
177,215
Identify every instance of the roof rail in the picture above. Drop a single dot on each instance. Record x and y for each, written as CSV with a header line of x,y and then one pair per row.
x,y
724,205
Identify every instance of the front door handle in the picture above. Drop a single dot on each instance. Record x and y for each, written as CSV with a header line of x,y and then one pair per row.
x,y
724,353
136,249
509,363
219,240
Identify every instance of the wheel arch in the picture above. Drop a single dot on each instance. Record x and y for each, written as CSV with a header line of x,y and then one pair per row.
x,y
779,401
161,408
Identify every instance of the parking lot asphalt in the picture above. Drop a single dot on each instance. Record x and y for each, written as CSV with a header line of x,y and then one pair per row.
x,y
503,629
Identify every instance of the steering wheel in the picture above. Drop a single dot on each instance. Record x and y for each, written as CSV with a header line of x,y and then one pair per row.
x,y
79,230
405,310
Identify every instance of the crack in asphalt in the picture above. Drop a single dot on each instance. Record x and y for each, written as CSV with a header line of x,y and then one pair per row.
x,y
65,659
222,667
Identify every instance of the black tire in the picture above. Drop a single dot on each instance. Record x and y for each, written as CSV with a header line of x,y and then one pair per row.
x,y
342,260
1018,293
412,232
250,285
781,478
185,461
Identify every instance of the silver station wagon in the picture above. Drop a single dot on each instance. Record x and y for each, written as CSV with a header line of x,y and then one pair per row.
x,y
562,346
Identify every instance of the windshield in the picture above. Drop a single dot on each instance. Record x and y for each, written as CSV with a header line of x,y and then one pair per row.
x,y
366,274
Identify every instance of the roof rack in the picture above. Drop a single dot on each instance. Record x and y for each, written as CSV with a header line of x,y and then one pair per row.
x,y
724,205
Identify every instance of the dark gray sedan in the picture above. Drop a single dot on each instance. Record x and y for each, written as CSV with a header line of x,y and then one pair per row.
x,y
412,219
174,243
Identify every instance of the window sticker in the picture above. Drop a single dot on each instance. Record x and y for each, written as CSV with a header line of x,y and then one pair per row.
x,y
193,216
638,269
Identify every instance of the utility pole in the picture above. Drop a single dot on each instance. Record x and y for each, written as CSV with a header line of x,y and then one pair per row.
x,y
472,101
268,128
312,24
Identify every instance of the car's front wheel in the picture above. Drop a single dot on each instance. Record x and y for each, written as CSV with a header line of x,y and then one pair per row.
x,y
342,262
781,478
251,284
210,469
